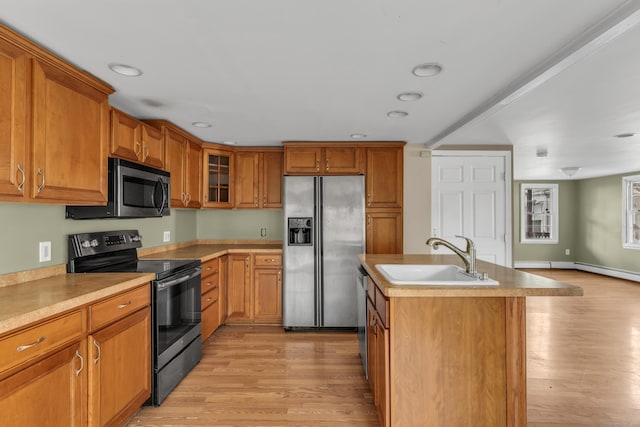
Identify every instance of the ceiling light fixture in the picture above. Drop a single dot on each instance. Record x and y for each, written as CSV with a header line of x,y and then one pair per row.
x,y
409,96
625,135
570,170
428,69
229,143
358,135
125,70
397,114
201,124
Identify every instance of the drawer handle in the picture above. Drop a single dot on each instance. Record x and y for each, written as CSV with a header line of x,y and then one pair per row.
x,y
81,363
33,344
120,306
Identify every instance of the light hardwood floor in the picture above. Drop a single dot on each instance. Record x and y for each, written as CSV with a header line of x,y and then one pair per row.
x,y
583,354
583,369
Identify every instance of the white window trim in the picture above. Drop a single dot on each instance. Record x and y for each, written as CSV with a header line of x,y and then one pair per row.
x,y
554,218
627,223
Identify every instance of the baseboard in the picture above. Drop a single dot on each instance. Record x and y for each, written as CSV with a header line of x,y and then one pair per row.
x,y
605,271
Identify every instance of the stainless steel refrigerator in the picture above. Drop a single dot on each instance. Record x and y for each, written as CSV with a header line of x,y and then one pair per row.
x,y
324,233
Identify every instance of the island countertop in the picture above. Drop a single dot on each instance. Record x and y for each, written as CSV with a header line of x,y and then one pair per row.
x,y
512,283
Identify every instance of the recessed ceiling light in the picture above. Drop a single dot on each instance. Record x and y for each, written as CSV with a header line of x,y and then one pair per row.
x,y
428,69
625,135
541,152
125,70
409,96
358,135
397,113
570,170
201,124
229,142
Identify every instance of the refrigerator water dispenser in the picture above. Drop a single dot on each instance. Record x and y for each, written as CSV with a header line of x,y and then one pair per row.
x,y
300,231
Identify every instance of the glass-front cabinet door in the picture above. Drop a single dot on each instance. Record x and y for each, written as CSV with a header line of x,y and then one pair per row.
x,y
218,175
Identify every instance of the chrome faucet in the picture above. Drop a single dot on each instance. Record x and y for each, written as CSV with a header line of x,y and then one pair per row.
x,y
468,256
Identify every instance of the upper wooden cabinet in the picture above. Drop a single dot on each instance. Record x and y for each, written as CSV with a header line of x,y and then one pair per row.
x,y
218,167
258,179
67,115
182,158
338,158
13,125
384,177
134,140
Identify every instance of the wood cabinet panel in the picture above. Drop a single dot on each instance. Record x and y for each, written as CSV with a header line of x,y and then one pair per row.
x,y
152,147
384,232
272,172
126,138
50,391
268,295
340,158
247,179
210,320
119,369
302,160
175,146
70,138
222,289
239,290
384,177
14,165
344,161
193,175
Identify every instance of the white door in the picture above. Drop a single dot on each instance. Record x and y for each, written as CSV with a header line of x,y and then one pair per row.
x,y
471,197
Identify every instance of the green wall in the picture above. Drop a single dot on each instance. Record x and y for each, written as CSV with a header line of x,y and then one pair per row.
x,y
590,225
23,226
600,225
568,230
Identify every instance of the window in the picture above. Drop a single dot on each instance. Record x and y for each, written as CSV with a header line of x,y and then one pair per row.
x,y
539,214
631,212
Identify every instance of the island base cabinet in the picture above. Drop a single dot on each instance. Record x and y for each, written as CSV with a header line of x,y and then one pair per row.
x,y
460,372
52,390
119,369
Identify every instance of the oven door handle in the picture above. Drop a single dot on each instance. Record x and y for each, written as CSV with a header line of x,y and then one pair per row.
x,y
168,283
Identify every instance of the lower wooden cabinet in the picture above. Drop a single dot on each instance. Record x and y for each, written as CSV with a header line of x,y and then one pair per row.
x,y
210,301
119,369
52,390
254,288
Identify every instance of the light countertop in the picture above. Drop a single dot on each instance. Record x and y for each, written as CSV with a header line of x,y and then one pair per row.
x,y
512,283
205,252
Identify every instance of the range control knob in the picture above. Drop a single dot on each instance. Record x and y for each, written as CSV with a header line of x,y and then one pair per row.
x,y
85,244
94,243
136,238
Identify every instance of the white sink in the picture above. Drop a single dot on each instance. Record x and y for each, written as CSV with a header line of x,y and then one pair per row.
x,y
427,274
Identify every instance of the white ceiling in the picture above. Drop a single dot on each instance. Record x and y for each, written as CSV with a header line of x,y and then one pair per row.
x,y
262,72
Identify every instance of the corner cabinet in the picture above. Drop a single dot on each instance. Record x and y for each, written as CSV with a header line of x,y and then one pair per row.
x,y
57,127
254,291
218,178
258,179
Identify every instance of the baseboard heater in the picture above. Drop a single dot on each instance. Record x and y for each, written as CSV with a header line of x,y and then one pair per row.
x,y
598,269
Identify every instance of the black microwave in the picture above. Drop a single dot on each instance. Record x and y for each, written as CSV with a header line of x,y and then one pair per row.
x,y
134,191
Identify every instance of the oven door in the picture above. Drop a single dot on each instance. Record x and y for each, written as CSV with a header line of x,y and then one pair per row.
x,y
176,315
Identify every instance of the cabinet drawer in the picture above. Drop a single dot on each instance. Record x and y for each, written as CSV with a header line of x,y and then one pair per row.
x,y
209,283
38,340
265,260
210,268
118,306
209,298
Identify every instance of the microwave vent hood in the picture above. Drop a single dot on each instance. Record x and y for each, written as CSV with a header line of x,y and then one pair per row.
x,y
134,191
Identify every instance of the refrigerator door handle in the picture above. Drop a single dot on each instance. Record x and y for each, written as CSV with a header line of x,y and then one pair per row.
x,y
319,250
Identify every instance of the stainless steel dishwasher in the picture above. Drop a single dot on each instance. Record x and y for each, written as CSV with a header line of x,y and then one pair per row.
x,y
361,296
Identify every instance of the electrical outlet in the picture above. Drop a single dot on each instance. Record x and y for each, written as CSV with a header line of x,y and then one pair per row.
x,y
44,253
166,236
567,251
263,232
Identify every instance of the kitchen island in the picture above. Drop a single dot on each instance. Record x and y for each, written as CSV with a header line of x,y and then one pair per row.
x,y
450,355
